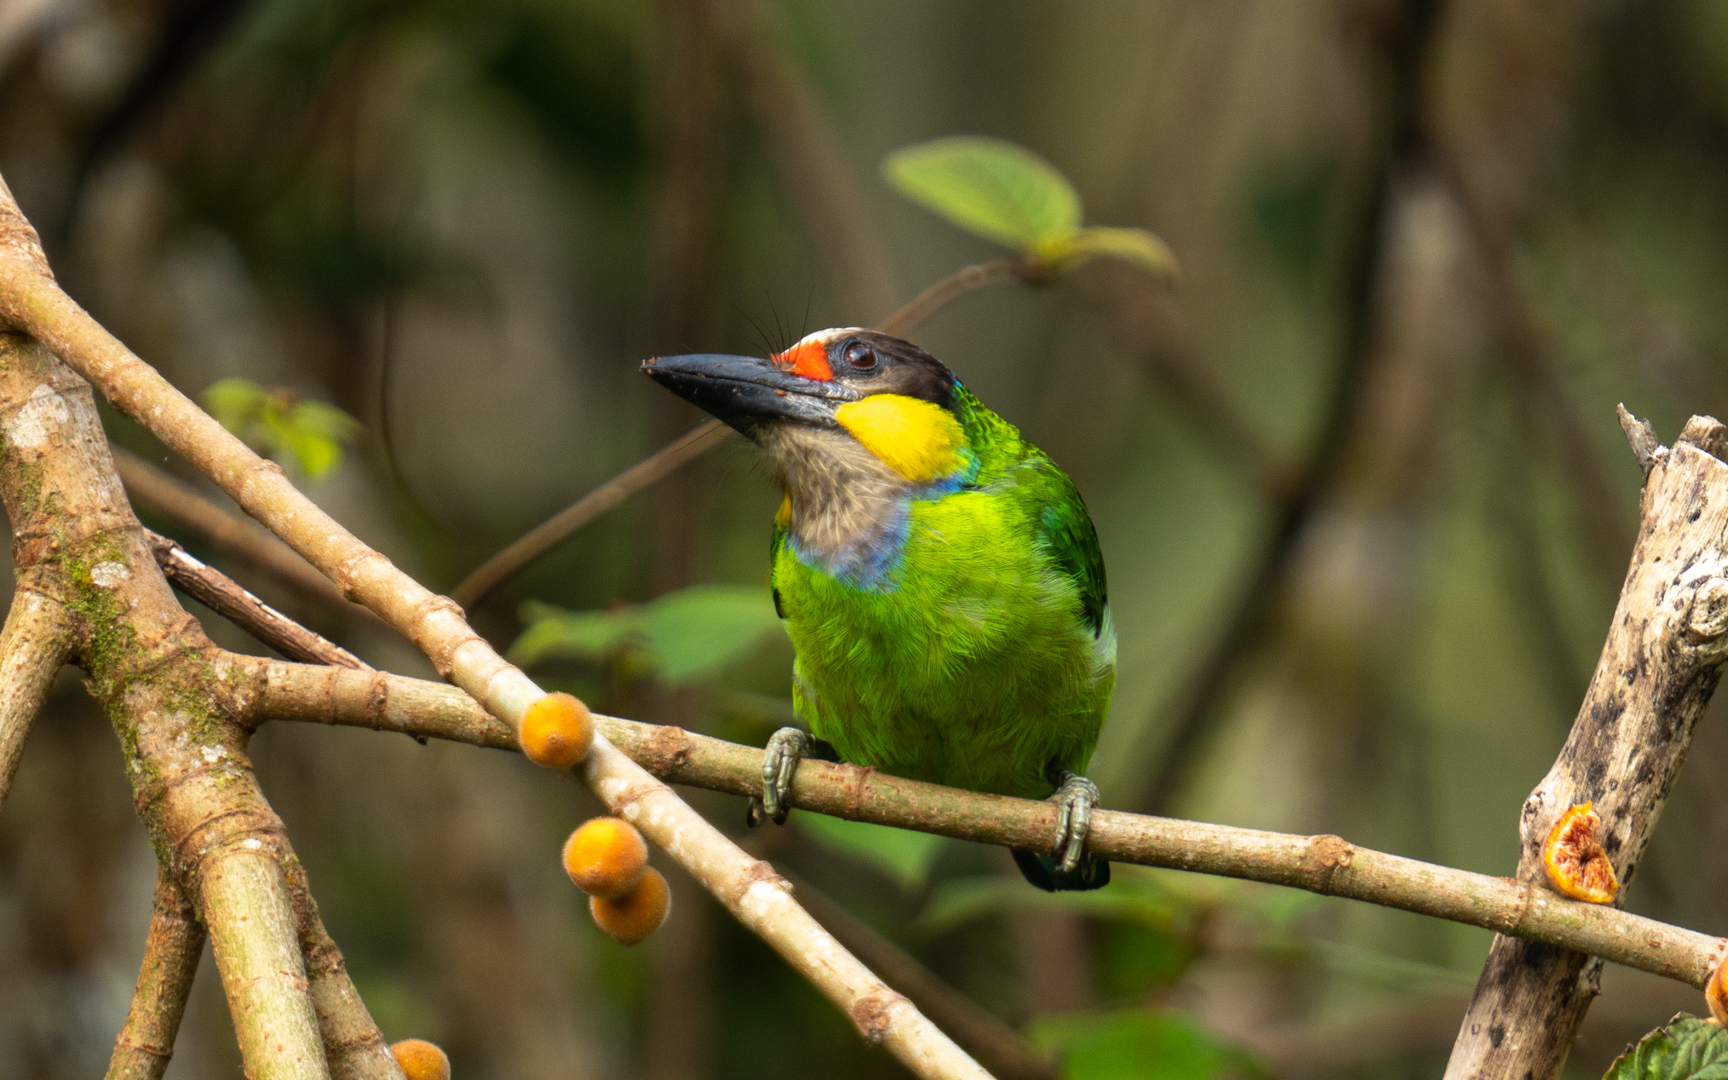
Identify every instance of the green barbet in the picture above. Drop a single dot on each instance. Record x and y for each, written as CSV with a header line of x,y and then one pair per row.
x,y
939,577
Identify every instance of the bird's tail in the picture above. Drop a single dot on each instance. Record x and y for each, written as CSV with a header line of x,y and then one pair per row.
x,y
1043,871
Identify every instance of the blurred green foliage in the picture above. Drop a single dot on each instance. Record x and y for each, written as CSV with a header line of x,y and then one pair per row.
x,y
306,435
1138,1044
680,636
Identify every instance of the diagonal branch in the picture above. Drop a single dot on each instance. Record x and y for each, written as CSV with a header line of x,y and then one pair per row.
x,y
37,639
1664,655
644,473
171,954
174,498
32,301
252,935
1322,864
221,594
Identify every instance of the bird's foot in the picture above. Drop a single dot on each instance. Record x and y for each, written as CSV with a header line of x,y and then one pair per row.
x,y
1076,796
779,761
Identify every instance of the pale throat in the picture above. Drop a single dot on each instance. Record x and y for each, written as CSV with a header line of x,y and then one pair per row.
x,y
844,507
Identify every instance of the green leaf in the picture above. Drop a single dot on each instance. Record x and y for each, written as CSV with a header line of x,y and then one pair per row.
x,y
698,630
556,634
1686,1048
686,634
989,187
903,854
307,435
1136,246
1137,1044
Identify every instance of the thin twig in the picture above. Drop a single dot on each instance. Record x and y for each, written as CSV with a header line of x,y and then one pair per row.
x,y
949,289
1321,864
644,473
36,641
997,1046
31,300
221,594
171,954
174,498
697,442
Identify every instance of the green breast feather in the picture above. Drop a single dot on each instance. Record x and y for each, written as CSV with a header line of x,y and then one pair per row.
x,y
988,656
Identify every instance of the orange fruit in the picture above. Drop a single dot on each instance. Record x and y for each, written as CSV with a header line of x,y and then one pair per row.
x,y
637,913
1575,860
556,731
605,857
1716,994
420,1060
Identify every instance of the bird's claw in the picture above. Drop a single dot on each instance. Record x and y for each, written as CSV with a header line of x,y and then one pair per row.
x,y
1076,796
779,761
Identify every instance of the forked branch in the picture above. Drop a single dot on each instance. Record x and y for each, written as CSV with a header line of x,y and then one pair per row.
x,y
31,301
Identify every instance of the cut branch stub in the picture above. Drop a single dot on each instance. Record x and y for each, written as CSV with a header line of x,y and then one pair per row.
x,y
1659,666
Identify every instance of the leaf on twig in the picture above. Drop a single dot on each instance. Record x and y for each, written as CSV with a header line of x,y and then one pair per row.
x,y
303,434
1138,1044
1686,1048
1006,193
683,635
1136,246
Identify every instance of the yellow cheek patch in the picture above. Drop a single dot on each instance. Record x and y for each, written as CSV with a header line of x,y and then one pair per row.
x,y
783,516
918,439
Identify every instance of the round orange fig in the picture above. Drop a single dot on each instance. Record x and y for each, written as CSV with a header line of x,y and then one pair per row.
x,y
556,731
1716,994
1575,860
637,913
605,857
420,1060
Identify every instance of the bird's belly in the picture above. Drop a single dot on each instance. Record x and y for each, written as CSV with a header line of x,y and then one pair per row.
x,y
977,674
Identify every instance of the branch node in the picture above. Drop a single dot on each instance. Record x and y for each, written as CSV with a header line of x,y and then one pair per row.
x,y
871,1014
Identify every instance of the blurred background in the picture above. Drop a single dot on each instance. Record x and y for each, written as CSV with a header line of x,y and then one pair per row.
x,y
1357,475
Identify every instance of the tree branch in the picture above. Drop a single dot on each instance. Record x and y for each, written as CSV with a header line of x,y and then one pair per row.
x,y
171,954
644,473
31,300
699,441
221,594
37,640
1321,864
174,498
997,1046
951,288
1659,666
253,936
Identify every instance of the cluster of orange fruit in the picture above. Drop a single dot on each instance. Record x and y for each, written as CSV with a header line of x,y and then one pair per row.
x,y
608,860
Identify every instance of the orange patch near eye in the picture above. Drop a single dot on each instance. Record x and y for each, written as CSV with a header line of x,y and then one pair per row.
x,y
807,358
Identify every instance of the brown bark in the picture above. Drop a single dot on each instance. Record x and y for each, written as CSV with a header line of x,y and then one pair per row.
x,y
36,641
1323,864
1658,668
221,594
171,954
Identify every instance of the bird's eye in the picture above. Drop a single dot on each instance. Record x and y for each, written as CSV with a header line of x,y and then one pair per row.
x,y
861,356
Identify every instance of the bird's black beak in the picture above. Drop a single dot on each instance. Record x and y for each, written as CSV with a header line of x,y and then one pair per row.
x,y
746,391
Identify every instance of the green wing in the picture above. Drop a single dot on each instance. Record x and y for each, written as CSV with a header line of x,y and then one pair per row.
x,y
1065,530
